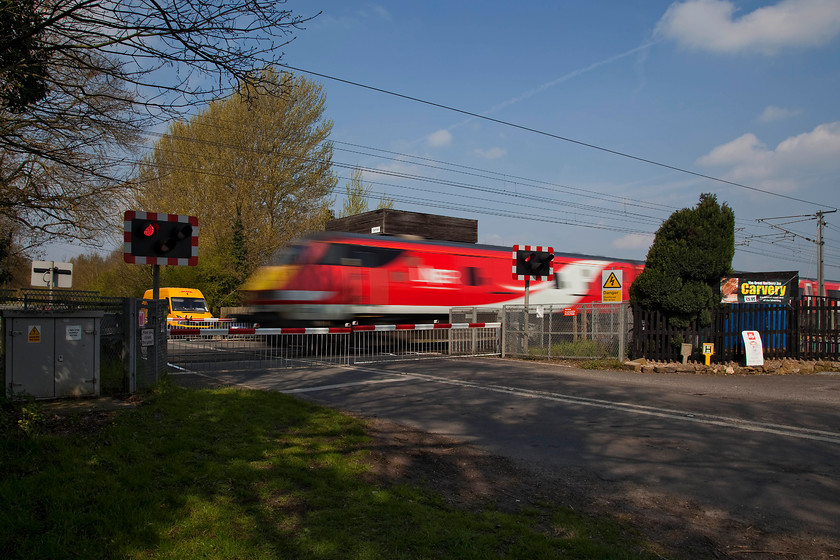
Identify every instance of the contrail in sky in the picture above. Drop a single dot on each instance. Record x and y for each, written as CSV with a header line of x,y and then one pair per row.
x,y
561,79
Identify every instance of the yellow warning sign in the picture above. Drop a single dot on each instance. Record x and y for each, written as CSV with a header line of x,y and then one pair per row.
x,y
612,282
611,291
34,334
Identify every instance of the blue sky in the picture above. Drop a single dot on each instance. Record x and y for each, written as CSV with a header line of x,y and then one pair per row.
x,y
743,91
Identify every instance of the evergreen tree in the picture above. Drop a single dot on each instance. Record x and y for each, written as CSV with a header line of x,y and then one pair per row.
x,y
692,250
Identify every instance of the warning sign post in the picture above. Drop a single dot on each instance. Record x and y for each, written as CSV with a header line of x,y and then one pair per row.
x,y
611,281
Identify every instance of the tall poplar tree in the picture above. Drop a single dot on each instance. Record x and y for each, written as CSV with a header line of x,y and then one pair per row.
x,y
255,168
358,193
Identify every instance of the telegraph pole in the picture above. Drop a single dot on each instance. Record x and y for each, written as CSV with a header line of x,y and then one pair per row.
x,y
820,243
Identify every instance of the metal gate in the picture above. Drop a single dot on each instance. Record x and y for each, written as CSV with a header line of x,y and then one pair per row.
x,y
582,331
239,348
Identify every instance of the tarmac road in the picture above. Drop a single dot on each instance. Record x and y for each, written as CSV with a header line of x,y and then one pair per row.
x,y
762,448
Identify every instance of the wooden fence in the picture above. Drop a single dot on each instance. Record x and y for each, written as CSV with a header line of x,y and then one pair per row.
x,y
807,329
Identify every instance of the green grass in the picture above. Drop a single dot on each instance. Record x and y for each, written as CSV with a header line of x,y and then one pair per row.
x,y
242,474
574,349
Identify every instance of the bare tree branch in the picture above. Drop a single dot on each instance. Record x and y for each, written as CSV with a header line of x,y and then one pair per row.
x,y
80,80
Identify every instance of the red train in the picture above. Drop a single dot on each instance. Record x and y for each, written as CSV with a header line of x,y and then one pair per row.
x,y
808,287
334,277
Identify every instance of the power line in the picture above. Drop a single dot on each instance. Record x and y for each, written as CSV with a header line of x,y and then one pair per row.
x,y
547,134
485,174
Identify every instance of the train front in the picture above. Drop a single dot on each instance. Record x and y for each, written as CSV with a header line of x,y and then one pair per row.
x,y
296,288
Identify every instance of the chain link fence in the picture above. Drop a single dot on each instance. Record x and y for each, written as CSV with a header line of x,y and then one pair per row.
x,y
584,331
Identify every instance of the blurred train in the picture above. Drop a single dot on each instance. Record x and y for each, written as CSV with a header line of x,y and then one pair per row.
x,y
333,277
808,287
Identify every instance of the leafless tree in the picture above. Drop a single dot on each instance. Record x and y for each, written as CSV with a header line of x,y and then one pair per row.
x,y
81,80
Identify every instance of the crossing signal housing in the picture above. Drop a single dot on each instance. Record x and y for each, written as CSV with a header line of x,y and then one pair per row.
x,y
168,239
533,262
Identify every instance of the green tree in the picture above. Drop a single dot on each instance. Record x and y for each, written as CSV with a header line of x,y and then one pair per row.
x,y
255,168
358,193
692,250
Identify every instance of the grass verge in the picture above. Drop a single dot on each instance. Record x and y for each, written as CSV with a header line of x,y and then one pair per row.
x,y
230,473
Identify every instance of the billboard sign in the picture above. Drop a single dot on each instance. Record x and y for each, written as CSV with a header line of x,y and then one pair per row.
x,y
760,287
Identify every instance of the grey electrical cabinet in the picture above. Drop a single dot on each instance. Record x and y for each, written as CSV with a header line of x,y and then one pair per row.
x,y
52,355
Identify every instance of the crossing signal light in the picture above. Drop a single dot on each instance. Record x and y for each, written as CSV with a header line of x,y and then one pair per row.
x,y
533,262
168,239
149,229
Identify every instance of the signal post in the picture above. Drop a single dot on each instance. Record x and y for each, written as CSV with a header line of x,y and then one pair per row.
x,y
531,261
157,239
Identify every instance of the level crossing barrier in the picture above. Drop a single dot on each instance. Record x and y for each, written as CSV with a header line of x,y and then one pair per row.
x,y
234,348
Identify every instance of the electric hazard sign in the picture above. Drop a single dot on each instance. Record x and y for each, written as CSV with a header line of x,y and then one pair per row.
x,y
611,281
34,335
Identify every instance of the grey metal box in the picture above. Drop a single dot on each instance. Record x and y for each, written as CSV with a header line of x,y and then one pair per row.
x,y
52,355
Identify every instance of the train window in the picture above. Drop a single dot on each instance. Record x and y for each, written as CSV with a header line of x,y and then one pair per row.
x,y
358,255
472,276
287,255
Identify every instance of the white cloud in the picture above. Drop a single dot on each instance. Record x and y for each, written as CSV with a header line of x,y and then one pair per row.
x,y
793,163
440,138
712,25
493,153
375,11
634,241
773,113
352,20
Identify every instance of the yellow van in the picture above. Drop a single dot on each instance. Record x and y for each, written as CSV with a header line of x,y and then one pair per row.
x,y
184,304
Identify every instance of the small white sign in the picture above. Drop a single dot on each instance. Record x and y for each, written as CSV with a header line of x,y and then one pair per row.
x,y
753,347
74,332
147,337
51,274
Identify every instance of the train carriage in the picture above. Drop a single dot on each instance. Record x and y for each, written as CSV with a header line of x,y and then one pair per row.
x,y
333,277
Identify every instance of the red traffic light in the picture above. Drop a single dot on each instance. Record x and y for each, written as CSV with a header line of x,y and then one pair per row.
x,y
150,229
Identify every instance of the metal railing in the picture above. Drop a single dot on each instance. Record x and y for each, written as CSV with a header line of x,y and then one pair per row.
x,y
384,343
236,348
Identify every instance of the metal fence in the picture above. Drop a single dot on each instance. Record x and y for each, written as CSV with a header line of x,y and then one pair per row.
x,y
583,331
238,348
807,329
207,349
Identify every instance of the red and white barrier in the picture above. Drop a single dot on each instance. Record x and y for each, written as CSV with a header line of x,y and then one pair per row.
x,y
425,326
191,320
